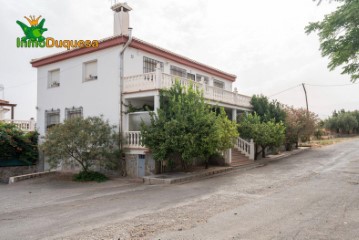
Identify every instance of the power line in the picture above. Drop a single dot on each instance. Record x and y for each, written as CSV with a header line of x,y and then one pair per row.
x,y
313,85
286,90
334,85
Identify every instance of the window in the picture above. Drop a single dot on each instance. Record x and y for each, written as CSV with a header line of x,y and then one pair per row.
x,y
90,71
73,112
218,84
191,76
199,78
52,117
149,65
180,72
53,78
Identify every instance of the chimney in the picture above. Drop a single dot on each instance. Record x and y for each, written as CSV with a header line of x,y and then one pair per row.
x,y
121,18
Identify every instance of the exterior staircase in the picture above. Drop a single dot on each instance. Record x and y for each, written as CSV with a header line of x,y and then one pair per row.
x,y
239,159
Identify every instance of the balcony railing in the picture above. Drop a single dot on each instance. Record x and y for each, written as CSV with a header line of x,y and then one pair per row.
x,y
24,125
133,140
155,80
245,147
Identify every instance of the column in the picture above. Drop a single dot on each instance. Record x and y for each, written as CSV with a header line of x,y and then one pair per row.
x,y
157,103
234,115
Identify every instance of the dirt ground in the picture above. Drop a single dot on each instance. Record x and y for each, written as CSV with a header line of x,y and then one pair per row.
x,y
312,195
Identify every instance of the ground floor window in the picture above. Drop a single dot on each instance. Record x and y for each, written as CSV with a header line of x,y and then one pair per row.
x,y
73,112
52,117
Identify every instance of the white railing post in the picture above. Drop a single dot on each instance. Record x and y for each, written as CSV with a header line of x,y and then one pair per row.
x,y
133,139
158,76
252,150
32,124
246,148
228,156
235,96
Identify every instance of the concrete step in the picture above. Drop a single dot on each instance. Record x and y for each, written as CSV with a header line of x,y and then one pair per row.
x,y
239,159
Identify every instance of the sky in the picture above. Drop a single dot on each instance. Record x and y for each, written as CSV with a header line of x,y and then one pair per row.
x,y
262,42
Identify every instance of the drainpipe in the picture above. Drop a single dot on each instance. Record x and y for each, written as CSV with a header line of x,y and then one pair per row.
x,y
121,75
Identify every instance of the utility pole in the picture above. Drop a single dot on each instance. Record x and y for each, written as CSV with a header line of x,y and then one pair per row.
x,y
306,98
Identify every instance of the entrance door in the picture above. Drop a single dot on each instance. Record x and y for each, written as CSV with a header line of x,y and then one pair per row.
x,y
141,165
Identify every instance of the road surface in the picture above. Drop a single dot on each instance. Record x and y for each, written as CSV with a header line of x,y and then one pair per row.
x,y
312,195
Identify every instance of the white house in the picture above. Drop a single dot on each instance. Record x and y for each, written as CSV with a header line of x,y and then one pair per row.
x,y
9,108
127,70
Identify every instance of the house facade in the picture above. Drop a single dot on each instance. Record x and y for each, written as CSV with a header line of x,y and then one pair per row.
x,y
119,80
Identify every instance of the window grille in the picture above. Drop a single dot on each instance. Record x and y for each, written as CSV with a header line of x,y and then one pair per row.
x,y
149,65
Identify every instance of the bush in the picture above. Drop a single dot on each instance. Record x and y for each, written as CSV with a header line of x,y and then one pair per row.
x,y
89,176
86,141
17,145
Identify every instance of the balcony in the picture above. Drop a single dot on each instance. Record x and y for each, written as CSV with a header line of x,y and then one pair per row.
x,y
159,80
24,125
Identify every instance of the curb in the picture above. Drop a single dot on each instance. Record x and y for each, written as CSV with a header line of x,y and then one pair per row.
x,y
19,178
152,180
289,153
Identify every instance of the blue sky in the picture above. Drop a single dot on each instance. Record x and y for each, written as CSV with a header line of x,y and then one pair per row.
x,y
262,42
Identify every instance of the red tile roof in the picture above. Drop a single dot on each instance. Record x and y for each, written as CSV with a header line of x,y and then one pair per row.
x,y
138,44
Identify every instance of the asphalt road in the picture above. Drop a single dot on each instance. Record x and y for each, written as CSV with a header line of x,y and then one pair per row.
x,y
312,195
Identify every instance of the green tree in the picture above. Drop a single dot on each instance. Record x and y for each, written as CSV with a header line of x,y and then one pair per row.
x,y
264,134
343,122
267,110
339,37
347,122
86,141
15,144
186,128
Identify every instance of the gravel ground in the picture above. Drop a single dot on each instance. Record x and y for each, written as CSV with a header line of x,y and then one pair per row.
x,y
312,195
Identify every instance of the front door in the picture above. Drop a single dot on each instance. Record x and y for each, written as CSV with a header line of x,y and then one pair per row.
x,y
141,165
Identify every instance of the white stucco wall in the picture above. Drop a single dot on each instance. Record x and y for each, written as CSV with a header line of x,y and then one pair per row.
x,y
100,96
134,65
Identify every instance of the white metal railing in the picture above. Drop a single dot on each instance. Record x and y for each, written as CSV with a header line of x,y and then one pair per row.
x,y
159,80
24,125
245,147
133,139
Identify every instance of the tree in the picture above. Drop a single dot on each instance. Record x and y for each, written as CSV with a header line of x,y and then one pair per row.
x,y
186,128
339,37
300,124
347,122
264,134
17,145
343,122
82,140
266,110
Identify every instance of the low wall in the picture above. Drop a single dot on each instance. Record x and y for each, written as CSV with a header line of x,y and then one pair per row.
x,y
7,172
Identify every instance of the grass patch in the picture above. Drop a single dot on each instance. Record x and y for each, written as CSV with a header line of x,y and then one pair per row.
x,y
89,176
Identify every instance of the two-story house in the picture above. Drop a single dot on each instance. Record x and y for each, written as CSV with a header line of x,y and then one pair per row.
x,y
124,71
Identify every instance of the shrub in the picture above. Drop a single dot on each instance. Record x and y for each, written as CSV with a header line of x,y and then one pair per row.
x,y
89,176
86,141
17,145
